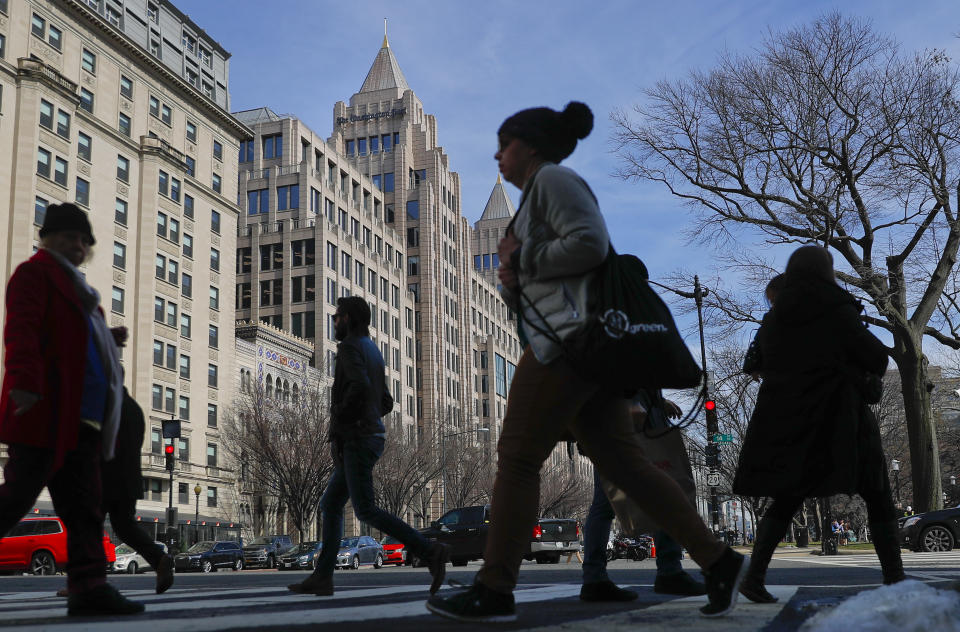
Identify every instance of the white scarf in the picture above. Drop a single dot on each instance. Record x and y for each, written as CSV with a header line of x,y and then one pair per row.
x,y
109,354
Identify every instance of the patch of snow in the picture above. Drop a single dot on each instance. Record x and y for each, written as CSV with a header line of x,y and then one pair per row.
x,y
907,606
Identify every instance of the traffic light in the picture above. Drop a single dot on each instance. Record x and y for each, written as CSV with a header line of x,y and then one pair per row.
x,y
713,455
168,450
710,407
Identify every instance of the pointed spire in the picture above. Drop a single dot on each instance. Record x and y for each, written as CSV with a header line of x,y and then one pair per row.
x,y
385,72
499,206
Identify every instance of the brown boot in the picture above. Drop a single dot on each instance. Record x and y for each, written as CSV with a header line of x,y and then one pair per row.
x,y
886,542
321,586
164,574
769,533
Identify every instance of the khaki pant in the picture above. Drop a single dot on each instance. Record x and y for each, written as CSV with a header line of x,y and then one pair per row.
x,y
545,403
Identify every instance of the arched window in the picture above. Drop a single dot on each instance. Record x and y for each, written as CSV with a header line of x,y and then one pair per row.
x,y
296,394
269,386
286,391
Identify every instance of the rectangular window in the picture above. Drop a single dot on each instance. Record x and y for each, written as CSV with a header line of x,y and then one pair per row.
x,y
158,353
188,245
385,141
123,169
43,162
183,449
211,455
158,309
126,87
86,100
213,337
161,224
123,124
119,255
183,493
214,298
191,166
388,185
212,378
39,210
185,367
217,150
163,183
272,146
211,497
168,399
413,209
185,325
84,144
116,305
63,123
46,114
83,192
215,260
88,61
174,189
362,146
184,408
172,314
187,206
191,131
38,26
155,107
217,186
186,285
165,114
171,357
157,403
215,222
246,150
211,415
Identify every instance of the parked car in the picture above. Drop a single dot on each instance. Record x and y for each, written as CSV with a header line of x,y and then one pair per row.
x,y
933,531
208,556
129,561
39,546
304,555
266,550
464,529
553,537
393,551
358,551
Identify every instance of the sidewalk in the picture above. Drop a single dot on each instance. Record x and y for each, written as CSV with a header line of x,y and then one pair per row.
x,y
790,550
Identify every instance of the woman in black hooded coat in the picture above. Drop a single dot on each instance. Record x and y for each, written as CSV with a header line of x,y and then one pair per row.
x,y
812,433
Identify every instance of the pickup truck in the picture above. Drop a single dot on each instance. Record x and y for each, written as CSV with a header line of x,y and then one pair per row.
x,y
266,550
465,530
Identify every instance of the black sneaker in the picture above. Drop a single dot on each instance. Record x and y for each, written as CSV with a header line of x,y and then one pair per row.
x,y
682,584
164,574
723,583
315,584
605,590
755,591
478,604
99,601
437,557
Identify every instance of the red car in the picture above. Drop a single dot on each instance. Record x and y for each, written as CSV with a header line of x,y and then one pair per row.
x,y
393,552
39,546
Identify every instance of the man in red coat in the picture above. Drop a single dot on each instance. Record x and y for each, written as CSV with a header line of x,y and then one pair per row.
x,y
59,407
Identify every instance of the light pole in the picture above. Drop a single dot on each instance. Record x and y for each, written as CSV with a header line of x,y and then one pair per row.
x,y
895,466
443,463
712,424
196,516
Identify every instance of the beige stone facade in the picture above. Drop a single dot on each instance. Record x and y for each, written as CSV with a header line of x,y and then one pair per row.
x,y
88,115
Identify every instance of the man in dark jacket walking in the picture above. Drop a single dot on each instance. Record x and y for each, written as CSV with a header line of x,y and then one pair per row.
x,y
357,435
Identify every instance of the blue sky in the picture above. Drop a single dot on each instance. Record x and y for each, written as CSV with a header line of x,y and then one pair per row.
x,y
472,64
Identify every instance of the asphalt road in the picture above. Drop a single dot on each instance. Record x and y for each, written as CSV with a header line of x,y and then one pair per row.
x,y
392,598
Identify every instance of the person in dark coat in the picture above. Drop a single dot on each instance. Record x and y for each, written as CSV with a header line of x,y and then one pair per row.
x,y
60,402
812,433
359,400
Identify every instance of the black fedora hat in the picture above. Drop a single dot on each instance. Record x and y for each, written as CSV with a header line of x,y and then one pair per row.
x,y
66,216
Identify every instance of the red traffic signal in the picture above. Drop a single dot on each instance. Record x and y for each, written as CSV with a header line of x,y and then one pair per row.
x,y
710,405
168,448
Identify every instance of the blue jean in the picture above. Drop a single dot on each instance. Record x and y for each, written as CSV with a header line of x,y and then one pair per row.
x,y
352,480
596,533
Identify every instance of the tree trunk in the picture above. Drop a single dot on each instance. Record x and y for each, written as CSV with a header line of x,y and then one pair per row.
x,y
921,428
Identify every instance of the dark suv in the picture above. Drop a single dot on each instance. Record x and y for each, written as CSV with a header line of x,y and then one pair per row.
x,y
266,550
208,556
932,532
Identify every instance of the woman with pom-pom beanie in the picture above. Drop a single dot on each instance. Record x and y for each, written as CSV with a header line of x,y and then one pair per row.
x,y
550,254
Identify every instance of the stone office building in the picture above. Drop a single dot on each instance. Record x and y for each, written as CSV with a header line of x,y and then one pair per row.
x,y
91,112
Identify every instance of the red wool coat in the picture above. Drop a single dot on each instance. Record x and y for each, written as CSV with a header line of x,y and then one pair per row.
x,y
45,337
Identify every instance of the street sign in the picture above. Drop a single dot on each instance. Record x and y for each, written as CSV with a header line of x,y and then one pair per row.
x,y
713,479
719,437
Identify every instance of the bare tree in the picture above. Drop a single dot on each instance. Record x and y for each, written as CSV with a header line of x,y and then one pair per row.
x,y
280,448
827,134
563,492
467,471
406,468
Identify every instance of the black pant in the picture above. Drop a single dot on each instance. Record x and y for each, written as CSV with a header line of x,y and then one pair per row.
x,y
123,518
75,490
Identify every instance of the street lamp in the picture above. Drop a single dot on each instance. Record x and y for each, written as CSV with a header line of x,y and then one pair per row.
x,y
895,466
196,516
443,462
